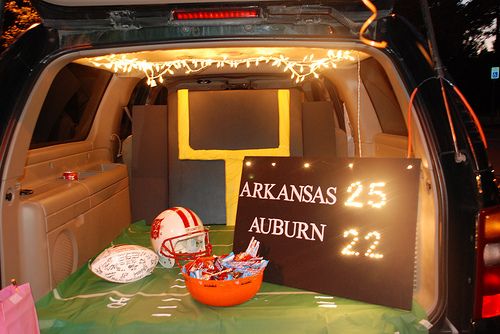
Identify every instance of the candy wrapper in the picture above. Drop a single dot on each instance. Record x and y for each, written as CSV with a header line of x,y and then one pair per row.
x,y
228,267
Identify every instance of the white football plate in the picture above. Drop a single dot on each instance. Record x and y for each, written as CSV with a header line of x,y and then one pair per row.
x,y
124,263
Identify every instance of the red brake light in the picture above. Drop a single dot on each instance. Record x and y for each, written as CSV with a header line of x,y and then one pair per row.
x,y
487,302
491,306
216,14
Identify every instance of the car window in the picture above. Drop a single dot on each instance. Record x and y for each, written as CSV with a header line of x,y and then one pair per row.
x,y
70,106
383,99
233,119
337,104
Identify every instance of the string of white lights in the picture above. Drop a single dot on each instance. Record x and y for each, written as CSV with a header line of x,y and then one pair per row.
x,y
157,71
358,103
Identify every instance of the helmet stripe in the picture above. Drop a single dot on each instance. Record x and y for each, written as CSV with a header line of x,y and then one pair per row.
x,y
183,216
193,217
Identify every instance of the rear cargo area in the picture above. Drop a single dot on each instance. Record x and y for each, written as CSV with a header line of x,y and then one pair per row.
x,y
148,129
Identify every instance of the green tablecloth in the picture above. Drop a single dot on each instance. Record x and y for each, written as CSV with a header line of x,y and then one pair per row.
x,y
160,303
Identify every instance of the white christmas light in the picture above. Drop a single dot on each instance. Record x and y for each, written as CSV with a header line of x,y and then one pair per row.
x,y
355,189
156,71
370,252
348,250
372,240
377,193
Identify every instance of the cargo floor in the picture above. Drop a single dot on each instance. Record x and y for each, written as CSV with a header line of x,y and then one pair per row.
x,y
160,303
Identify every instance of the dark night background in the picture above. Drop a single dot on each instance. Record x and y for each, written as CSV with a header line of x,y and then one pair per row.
x,y
467,34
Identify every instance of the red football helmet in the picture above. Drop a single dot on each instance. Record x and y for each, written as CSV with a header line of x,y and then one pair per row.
x,y
178,234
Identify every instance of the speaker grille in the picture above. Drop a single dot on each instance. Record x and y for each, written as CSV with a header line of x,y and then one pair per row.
x,y
62,257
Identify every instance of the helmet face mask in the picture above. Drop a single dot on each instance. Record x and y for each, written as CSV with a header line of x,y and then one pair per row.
x,y
177,234
186,247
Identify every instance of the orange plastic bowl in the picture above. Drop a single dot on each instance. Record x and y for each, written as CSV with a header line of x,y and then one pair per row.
x,y
223,293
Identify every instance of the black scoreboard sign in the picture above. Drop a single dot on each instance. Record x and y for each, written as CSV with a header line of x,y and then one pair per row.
x,y
343,227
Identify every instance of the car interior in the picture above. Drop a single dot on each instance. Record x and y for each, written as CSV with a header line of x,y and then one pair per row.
x,y
169,125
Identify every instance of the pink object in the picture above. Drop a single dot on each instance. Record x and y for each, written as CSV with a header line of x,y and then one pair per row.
x,y
17,310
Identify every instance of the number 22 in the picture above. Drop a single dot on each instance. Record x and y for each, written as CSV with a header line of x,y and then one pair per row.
x,y
352,250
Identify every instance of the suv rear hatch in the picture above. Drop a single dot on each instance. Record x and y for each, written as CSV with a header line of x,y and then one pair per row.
x,y
138,14
248,45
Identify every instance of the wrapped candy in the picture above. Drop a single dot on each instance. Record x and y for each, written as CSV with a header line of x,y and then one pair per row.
x,y
228,267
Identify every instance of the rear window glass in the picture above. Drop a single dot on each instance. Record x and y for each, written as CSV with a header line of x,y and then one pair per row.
x,y
70,106
233,119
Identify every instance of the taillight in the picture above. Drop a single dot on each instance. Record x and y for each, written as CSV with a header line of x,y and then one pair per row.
x,y
487,299
216,14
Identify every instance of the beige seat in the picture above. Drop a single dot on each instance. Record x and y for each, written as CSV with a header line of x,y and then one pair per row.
x,y
64,223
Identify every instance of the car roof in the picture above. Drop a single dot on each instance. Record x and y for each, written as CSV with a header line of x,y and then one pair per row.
x,y
381,4
98,13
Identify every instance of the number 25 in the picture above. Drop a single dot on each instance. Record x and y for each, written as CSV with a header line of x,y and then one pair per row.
x,y
374,190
